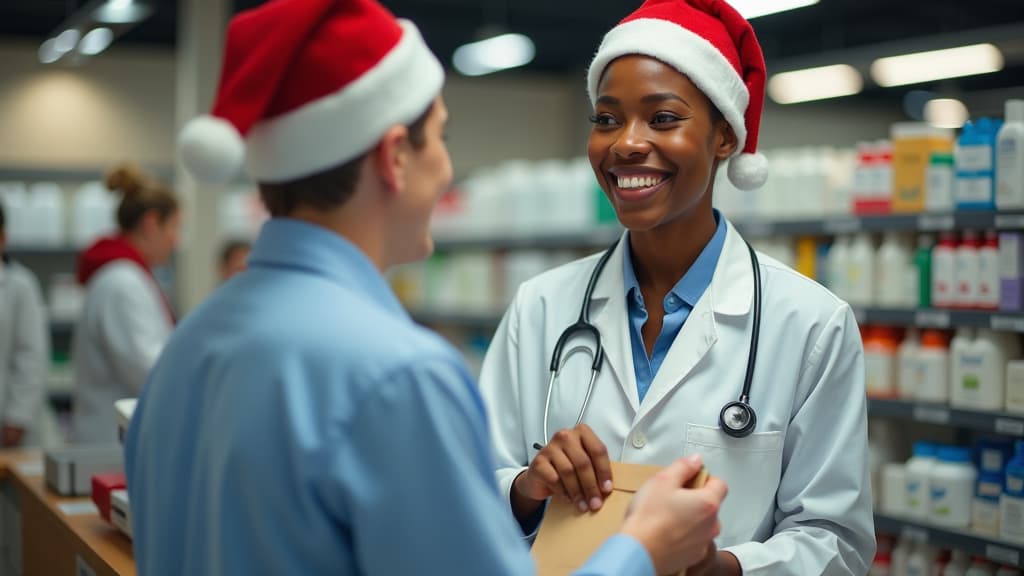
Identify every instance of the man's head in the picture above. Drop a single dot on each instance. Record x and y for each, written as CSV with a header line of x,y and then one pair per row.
x,y
325,100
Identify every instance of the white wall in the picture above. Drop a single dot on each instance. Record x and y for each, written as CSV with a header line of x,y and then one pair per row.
x,y
119,106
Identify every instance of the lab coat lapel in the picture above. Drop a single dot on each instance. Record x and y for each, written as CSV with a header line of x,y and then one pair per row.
x,y
730,294
608,313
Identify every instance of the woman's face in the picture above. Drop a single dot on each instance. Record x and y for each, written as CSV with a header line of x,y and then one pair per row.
x,y
654,143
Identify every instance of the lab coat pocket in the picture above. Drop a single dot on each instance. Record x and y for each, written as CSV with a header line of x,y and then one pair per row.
x,y
751,467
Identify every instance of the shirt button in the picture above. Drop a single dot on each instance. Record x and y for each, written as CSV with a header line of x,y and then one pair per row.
x,y
639,440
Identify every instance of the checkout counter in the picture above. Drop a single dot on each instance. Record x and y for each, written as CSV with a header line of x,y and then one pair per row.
x,y
44,534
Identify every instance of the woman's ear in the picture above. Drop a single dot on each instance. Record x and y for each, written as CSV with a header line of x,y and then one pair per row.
x,y
725,140
391,158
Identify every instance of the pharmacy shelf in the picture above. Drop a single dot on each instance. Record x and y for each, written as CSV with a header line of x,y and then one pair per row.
x,y
941,414
974,544
937,222
599,237
34,252
940,319
457,319
165,173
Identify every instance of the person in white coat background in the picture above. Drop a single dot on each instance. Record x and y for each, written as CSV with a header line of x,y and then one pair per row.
x,y
677,89
126,318
24,346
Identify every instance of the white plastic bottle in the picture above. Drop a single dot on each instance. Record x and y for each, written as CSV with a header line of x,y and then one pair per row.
x,y
861,275
980,383
1015,386
1010,158
46,212
920,560
932,384
951,482
944,271
988,277
958,564
917,502
838,266
967,270
891,265
980,567
908,362
959,347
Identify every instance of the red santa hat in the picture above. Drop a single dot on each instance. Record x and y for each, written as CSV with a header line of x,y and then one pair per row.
x,y
307,85
715,47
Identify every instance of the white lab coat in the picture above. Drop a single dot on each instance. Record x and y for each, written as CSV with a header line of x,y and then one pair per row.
x,y
24,345
799,498
123,327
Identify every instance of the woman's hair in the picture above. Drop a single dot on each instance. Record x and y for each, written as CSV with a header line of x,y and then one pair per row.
x,y
140,194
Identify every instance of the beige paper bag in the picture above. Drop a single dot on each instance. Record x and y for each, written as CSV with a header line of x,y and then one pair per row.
x,y
568,537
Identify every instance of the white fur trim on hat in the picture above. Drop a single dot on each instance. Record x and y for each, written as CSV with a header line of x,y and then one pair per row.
x,y
685,51
211,149
748,171
340,126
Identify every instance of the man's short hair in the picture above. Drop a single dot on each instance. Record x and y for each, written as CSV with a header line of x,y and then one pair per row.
x,y
330,188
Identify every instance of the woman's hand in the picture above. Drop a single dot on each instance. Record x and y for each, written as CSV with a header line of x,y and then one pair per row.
x,y
574,466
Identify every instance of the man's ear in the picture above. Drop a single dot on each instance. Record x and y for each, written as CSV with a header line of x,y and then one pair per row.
x,y
391,158
725,139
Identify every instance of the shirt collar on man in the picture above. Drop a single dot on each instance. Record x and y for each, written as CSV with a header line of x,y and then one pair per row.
x,y
290,243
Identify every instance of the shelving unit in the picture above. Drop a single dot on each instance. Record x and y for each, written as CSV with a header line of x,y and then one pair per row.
x,y
927,413
596,237
974,544
937,222
941,319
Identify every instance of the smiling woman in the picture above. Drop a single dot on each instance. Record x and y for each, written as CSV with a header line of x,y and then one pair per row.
x,y
677,90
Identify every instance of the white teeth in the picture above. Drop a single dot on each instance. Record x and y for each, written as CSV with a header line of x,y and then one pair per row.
x,y
638,181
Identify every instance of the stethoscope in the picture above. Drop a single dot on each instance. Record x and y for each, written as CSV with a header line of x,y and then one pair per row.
x,y
737,418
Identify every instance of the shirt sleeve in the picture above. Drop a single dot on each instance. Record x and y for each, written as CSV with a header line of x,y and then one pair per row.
x,y
26,380
415,480
134,330
824,521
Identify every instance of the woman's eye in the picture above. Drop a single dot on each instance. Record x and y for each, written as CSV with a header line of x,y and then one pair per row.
x,y
665,118
603,120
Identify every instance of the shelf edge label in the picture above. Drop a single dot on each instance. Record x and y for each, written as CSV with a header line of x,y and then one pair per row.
x,y
1009,426
914,534
1015,221
931,319
1007,323
928,223
1001,554
931,415
841,225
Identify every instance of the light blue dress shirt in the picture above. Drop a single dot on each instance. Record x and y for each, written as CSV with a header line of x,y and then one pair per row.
x,y
298,422
677,305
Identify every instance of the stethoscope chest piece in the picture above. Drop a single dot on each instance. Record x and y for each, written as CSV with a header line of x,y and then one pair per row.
x,y
737,419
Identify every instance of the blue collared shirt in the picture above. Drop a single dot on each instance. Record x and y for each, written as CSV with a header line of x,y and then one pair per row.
x,y
677,305
298,422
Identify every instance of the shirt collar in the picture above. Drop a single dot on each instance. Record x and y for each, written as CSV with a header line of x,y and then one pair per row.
x,y
298,245
695,282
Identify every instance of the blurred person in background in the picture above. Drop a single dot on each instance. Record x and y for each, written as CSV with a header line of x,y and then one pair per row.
x,y
233,258
126,318
24,346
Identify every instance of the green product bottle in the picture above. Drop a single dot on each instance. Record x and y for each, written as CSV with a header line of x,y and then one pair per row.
x,y
923,265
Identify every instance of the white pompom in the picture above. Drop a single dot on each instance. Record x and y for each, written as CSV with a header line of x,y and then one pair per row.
x,y
748,171
211,149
